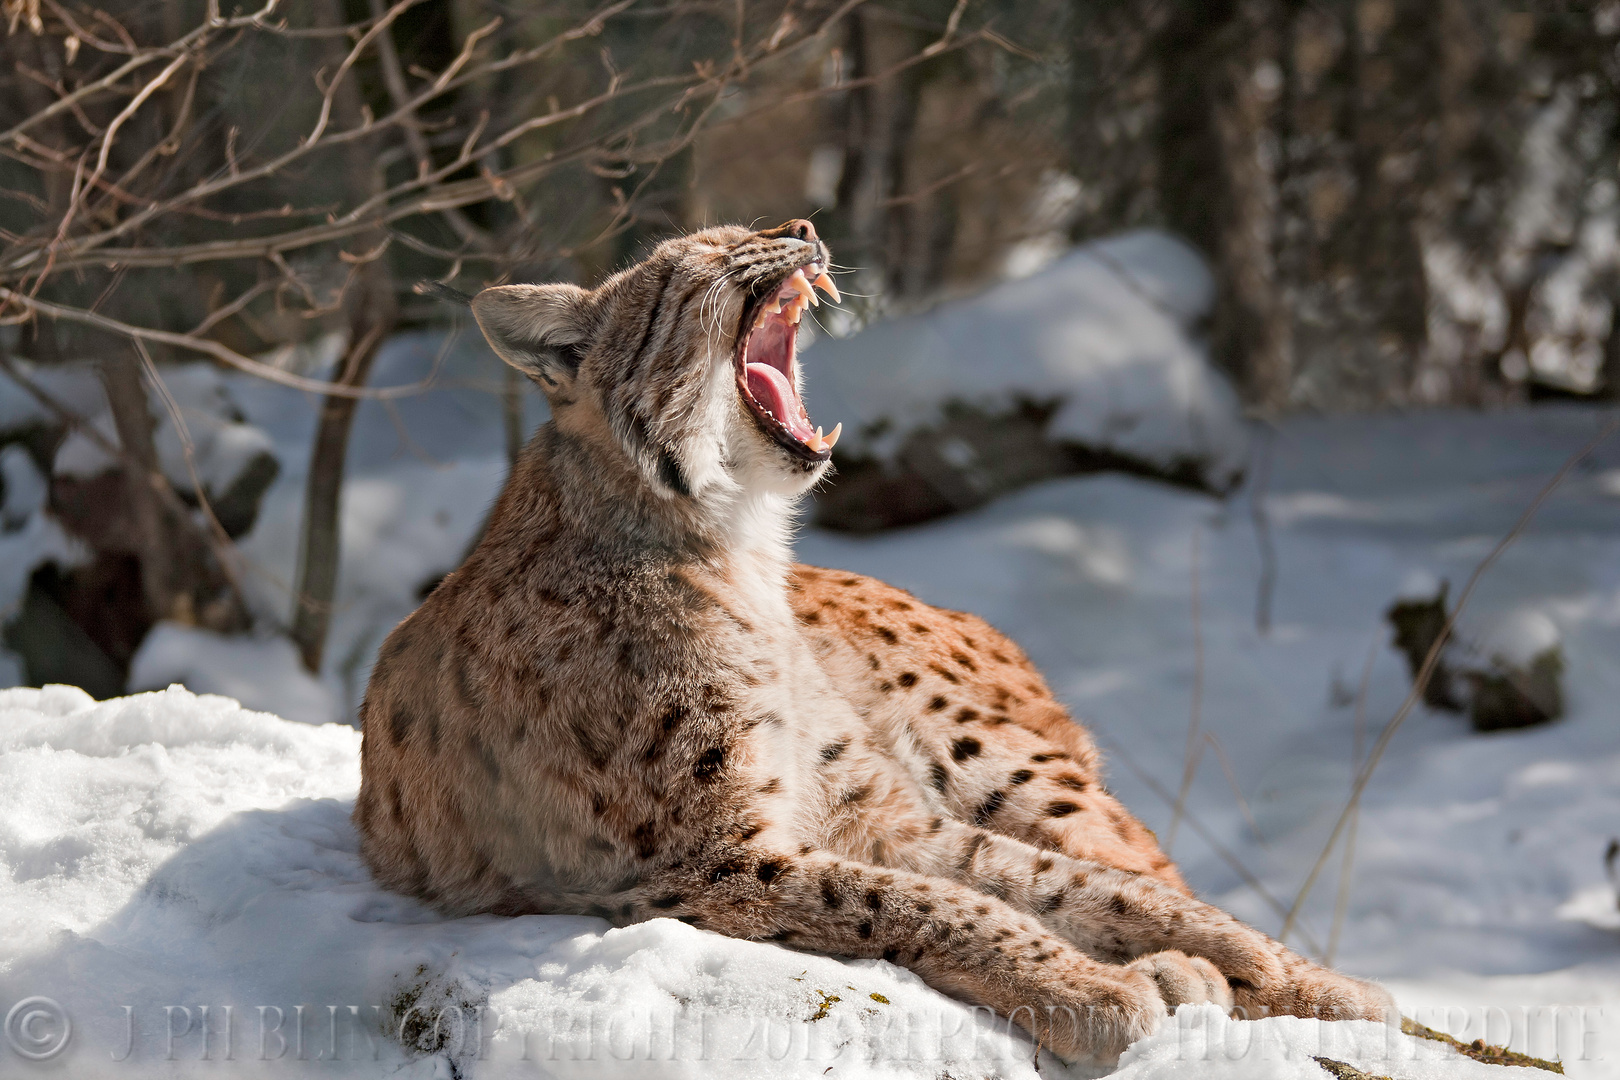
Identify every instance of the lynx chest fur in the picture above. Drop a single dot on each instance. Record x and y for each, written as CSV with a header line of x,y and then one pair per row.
x,y
630,703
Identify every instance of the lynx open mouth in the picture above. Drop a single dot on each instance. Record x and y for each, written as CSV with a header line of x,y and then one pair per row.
x,y
767,362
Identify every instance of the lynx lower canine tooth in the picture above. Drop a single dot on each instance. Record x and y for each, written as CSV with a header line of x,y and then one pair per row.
x,y
814,442
832,436
825,284
802,286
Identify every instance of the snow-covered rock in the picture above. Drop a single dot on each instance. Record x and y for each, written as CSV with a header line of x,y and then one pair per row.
x,y
1109,330
201,436
29,537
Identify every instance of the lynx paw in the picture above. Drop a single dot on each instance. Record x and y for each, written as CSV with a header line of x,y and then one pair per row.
x,y
1095,1019
1314,991
1183,979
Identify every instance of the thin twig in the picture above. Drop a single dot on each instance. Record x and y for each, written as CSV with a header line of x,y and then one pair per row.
x,y
1357,737
1262,532
1232,782
224,548
1195,746
210,348
1421,680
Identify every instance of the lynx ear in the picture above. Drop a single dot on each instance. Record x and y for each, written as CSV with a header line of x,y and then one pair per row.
x,y
542,330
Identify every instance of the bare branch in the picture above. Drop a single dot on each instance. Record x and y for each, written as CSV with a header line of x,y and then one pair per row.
x,y
208,348
135,64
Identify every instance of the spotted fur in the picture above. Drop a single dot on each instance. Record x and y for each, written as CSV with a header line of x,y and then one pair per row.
x,y
628,703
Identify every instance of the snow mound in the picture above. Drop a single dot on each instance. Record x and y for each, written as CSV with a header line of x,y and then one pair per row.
x,y
1108,329
179,878
260,672
169,851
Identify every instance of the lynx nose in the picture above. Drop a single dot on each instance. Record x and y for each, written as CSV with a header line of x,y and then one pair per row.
x,y
797,229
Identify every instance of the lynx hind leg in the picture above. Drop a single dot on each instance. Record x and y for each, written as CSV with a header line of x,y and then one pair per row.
x,y
1004,754
1117,915
962,943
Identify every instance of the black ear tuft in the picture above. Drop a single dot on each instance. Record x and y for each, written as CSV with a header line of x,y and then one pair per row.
x,y
440,291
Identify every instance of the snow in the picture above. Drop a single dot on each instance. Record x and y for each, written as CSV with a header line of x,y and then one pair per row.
x,y
23,487
173,849
260,672
29,537
170,851
1109,329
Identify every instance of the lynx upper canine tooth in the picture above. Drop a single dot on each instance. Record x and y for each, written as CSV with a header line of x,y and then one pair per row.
x,y
826,285
801,285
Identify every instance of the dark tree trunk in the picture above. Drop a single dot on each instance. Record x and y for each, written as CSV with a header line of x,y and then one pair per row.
x,y
371,316
1214,185
370,310
181,576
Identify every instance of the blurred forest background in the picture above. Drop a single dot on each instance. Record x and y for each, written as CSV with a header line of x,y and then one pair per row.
x,y
1402,202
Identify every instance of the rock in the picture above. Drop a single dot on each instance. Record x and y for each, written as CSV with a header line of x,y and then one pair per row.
x,y
1518,686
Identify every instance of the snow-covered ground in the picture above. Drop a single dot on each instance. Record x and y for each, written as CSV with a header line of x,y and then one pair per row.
x,y
171,850
165,853
1478,879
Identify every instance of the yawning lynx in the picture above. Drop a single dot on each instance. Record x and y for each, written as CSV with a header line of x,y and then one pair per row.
x,y
629,703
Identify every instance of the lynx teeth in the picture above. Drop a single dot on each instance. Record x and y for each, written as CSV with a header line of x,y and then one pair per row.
x,y
801,285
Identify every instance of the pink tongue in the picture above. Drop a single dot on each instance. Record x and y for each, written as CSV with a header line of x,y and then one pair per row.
x,y
771,389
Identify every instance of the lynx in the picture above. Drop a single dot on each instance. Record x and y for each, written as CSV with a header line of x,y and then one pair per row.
x,y
630,703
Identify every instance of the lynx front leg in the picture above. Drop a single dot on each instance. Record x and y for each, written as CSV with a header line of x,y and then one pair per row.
x,y
961,942
1115,915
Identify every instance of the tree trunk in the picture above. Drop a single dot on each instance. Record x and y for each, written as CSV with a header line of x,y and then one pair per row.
x,y
877,125
126,398
181,576
370,310
1215,187
371,316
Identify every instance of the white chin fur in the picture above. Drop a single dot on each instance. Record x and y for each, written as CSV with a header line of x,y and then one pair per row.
x,y
759,464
